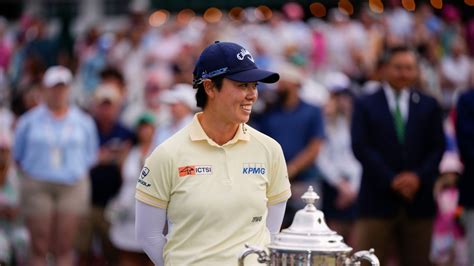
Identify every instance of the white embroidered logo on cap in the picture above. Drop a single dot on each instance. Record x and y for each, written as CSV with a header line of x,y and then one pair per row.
x,y
244,53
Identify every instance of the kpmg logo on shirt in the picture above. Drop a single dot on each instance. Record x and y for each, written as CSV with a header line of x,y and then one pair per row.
x,y
195,170
253,169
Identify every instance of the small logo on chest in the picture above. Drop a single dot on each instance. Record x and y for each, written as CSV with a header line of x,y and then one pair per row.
x,y
253,169
256,219
195,170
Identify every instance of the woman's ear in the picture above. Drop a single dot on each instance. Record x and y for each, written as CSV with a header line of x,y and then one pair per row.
x,y
209,88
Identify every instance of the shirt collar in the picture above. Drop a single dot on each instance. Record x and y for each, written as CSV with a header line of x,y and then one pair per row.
x,y
46,112
403,100
391,93
197,133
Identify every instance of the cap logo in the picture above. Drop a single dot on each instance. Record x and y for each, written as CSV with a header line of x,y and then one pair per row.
x,y
244,53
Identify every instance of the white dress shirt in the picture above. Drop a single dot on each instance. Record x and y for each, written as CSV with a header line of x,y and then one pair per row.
x,y
403,100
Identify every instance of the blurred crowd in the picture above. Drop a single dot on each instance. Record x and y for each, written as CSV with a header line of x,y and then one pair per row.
x,y
131,89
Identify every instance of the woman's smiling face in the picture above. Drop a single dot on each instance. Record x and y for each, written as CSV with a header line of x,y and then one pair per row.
x,y
234,100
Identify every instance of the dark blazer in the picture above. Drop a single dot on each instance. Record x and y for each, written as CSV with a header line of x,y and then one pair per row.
x,y
376,146
465,138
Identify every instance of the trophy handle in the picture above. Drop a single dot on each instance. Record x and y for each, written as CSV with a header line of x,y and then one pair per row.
x,y
365,255
262,255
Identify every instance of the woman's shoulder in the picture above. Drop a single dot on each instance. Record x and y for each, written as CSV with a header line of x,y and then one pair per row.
x,y
178,138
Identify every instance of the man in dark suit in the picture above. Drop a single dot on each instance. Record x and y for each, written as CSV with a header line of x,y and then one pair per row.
x,y
465,138
397,136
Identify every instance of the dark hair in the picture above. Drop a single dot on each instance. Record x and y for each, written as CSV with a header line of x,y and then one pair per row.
x,y
112,72
201,96
392,51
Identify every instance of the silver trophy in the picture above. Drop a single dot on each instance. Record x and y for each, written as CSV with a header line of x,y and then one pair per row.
x,y
308,242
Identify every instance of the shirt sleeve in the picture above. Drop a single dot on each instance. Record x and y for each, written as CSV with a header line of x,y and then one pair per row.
x,y
19,144
317,124
327,166
155,180
275,217
149,226
279,184
93,141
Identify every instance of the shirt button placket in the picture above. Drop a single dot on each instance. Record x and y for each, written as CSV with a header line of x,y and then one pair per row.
x,y
228,177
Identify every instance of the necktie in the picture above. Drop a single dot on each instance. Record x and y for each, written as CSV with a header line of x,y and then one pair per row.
x,y
399,122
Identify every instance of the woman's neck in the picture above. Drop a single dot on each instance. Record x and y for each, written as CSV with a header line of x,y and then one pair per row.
x,y
220,132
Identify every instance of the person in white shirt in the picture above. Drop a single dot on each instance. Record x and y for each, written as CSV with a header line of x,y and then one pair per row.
x,y
339,167
120,211
182,104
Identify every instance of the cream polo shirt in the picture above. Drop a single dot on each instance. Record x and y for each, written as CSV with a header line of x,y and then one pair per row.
x,y
216,196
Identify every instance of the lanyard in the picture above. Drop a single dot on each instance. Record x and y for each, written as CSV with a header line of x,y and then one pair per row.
x,y
57,141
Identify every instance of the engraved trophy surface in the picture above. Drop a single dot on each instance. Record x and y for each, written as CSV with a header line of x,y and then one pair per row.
x,y
308,242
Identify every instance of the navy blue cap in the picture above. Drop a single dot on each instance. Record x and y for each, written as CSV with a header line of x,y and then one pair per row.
x,y
231,61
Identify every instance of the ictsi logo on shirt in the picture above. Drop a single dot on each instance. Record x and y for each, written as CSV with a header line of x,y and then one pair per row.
x,y
253,168
195,170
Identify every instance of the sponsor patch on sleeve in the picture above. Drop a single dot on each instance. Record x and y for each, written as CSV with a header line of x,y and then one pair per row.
x,y
145,171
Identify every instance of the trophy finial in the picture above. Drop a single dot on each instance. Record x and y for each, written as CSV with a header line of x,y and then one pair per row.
x,y
310,197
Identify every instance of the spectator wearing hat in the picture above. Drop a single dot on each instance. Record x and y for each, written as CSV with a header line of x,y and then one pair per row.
x,y
218,182
14,237
448,245
339,168
55,146
464,136
298,127
182,103
120,211
115,140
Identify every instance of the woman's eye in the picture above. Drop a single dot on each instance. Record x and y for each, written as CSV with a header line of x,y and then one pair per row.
x,y
248,85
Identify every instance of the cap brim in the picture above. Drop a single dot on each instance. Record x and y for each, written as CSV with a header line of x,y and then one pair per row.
x,y
254,75
55,84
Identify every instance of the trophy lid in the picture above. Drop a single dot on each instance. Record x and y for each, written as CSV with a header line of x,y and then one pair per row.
x,y
309,231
